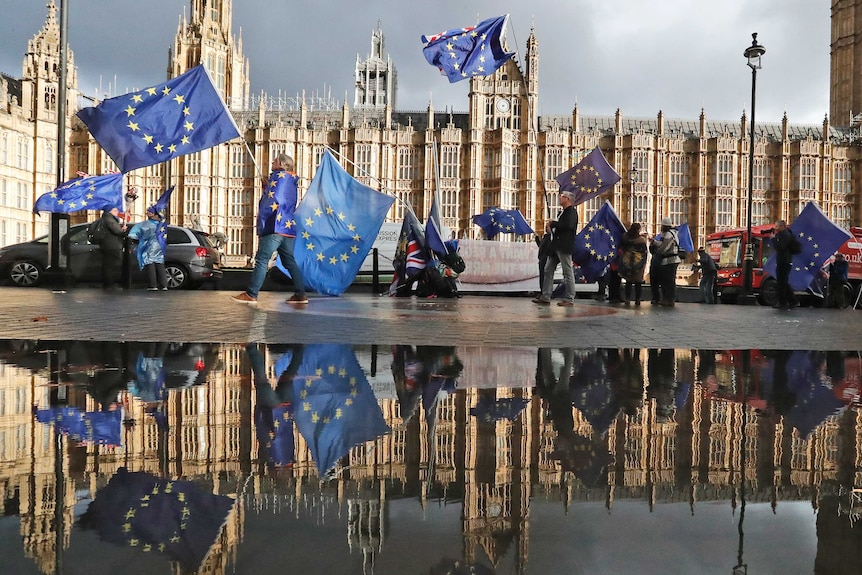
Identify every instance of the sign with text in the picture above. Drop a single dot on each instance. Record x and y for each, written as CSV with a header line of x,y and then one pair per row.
x,y
499,266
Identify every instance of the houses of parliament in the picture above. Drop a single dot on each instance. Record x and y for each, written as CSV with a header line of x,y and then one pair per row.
x,y
501,152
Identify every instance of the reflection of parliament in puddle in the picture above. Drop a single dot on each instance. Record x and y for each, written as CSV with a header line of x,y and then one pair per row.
x,y
506,439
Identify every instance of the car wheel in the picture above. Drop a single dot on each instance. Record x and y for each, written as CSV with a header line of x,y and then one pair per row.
x,y
26,274
178,276
769,293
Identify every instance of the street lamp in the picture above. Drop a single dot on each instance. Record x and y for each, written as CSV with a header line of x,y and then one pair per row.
x,y
752,54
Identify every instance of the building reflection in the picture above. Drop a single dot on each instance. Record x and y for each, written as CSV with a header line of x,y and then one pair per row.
x,y
488,430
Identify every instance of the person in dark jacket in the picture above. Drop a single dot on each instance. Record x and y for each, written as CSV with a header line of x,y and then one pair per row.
x,y
839,271
111,247
562,246
708,272
782,239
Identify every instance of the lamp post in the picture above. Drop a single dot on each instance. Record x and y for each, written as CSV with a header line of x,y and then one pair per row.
x,y
752,54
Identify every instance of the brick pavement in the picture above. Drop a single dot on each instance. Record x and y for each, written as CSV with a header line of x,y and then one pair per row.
x,y
210,316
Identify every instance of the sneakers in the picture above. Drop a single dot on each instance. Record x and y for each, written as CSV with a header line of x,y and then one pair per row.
x,y
243,298
541,301
566,303
164,288
296,298
153,289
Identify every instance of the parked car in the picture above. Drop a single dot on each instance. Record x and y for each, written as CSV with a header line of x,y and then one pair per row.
x,y
192,259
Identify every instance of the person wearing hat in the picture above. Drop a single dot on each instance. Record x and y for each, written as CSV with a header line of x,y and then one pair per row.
x,y
666,251
111,247
708,273
562,246
151,256
839,271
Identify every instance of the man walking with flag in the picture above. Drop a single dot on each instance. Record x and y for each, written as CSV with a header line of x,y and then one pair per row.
x,y
562,245
784,243
277,230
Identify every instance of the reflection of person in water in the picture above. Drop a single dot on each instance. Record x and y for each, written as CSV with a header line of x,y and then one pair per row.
x,y
782,398
273,410
423,372
661,381
586,457
627,380
106,367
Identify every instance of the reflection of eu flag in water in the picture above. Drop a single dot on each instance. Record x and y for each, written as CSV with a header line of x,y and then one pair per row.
x,y
598,242
101,427
337,222
590,392
591,177
87,193
819,237
173,518
467,52
495,221
275,433
334,407
814,401
181,116
488,409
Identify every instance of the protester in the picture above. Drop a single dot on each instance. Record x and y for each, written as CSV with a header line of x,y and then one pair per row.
x,y
111,247
784,243
839,271
562,245
632,261
708,273
276,229
667,252
151,258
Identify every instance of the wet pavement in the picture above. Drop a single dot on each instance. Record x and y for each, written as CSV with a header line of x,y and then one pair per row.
x,y
140,432
211,316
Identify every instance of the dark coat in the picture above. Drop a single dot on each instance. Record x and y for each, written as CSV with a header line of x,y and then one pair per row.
x,y
632,261
564,230
781,242
113,238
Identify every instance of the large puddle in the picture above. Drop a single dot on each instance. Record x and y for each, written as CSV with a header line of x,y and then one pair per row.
x,y
329,458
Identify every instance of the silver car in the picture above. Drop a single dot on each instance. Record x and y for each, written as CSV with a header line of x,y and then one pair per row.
x,y
191,259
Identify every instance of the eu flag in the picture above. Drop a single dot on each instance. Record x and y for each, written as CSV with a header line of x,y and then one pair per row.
x,y
161,208
684,236
467,52
336,225
86,193
97,427
598,242
814,401
174,518
334,407
490,410
495,221
181,116
433,235
591,177
820,238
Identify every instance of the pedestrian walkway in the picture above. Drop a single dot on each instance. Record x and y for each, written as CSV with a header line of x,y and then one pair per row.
x,y
211,316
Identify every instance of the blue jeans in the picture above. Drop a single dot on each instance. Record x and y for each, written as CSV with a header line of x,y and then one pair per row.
x,y
269,244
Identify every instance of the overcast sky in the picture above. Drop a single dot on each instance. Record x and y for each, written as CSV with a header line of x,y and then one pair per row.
x,y
640,56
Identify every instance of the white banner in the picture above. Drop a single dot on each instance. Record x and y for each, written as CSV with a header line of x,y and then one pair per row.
x,y
494,266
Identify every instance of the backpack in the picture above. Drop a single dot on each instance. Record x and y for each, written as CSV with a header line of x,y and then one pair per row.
x,y
795,246
96,232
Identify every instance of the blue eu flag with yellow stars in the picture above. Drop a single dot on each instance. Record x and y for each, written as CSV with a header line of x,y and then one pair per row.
x,y
495,221
150,126
820,239
161,208
591,177
336,225
86,193
176,519
91,427
598,243
333,406
467,52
